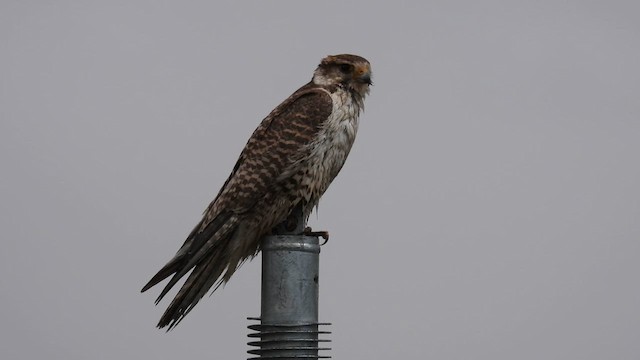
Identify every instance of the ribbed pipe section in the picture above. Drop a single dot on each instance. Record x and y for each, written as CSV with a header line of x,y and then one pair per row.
x,y
288,341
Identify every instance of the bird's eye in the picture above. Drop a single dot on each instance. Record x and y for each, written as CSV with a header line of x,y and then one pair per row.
x,y
345,68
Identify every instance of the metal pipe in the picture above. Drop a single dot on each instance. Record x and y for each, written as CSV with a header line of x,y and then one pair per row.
x,y
290,266
289,324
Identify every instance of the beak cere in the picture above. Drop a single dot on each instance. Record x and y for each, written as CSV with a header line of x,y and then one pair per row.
x,y
363,74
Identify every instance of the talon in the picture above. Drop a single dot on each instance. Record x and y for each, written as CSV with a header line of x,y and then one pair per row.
x,y
323,234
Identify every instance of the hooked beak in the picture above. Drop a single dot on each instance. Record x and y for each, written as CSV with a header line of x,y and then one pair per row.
x,y
366,78
363,74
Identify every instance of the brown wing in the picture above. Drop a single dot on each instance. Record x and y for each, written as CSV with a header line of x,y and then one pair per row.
x,y
279,141
281,138
274,145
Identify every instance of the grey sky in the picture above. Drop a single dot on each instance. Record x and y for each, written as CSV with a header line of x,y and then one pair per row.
x,y
489,209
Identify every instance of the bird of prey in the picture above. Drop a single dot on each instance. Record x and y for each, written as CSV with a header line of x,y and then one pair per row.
x,y
288,163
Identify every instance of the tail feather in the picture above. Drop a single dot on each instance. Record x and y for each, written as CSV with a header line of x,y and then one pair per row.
x,y
206,252
176,263
203,277
166,271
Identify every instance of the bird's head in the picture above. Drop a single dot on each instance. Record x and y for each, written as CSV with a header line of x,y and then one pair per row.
x,y
350,71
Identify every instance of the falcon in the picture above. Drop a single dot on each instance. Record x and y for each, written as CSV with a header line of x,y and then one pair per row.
x,y
287,164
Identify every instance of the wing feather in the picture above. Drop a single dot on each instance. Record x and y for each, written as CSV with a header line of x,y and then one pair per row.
x,y
281,139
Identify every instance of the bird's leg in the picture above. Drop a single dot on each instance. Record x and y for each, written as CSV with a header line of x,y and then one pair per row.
x,y
323,234
289,226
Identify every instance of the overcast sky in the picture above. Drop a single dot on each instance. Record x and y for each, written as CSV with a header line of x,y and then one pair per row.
x,y
490,208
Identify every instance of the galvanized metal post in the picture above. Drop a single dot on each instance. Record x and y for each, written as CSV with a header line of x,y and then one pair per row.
x,y
289,324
